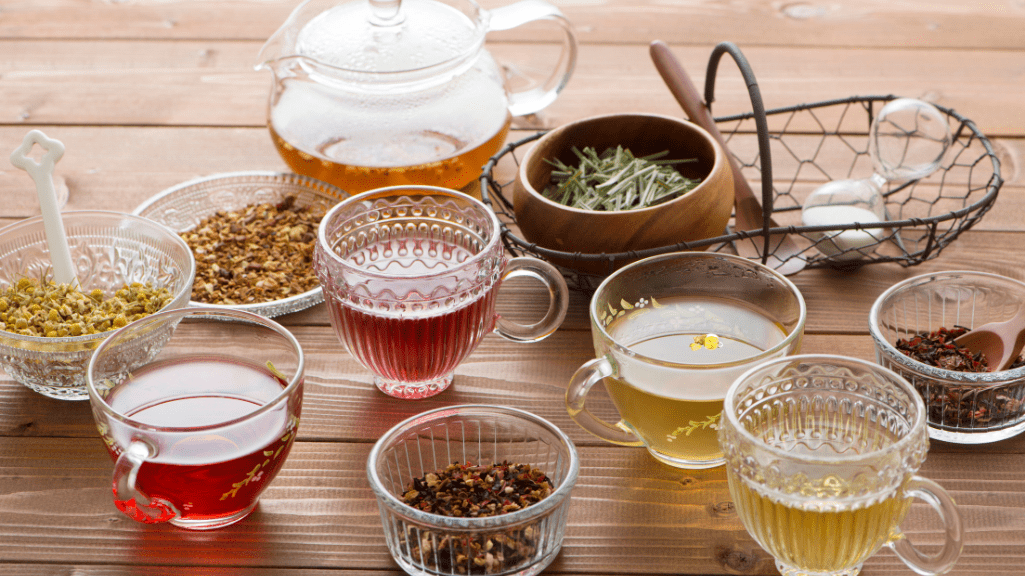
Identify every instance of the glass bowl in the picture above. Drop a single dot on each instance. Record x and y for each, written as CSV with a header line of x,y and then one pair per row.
x,y
521,542
108,249
182,207
962,407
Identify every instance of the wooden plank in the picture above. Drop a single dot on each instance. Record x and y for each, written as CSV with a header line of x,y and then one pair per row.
x,y
628,513
211,82
339,394
917,23
118,168
838,300
138,570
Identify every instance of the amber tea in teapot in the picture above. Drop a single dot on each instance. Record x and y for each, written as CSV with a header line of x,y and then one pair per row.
x,y
375,93
347,171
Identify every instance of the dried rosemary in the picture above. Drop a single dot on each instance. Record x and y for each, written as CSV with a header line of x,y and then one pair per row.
x,y
617,180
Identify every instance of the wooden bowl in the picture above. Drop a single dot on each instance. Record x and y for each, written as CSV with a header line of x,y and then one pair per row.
x,y
700,213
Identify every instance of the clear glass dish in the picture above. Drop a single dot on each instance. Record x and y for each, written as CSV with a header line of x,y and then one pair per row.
x,y
108,249
182,207
424,543
961,407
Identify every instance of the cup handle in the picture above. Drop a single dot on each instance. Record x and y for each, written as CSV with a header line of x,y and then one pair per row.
x,y
558,301
514,15
128,498
583,379
934,495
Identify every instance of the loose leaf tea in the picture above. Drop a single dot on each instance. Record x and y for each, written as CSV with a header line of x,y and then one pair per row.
x,y
259,253
938,349
474,491
33,308
959,406
617,180
468,490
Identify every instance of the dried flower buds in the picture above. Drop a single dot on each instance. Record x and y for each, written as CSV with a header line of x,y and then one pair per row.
x,y
32,308
260,253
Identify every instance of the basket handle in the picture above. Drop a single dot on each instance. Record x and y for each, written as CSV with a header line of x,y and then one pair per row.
x,y
758,109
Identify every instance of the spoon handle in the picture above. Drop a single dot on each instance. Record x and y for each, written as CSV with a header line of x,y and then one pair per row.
x,y
42,174
687,95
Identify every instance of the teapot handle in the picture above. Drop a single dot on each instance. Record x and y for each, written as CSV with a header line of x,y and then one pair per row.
x,y
515,15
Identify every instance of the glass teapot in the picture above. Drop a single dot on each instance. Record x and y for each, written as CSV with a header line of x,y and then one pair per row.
x,y
373,93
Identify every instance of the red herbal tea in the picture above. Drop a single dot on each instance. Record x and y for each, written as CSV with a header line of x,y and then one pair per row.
x,y
199,421
415,346
209,474
410,276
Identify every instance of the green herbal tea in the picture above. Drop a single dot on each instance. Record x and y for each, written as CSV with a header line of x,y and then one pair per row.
x,y
815,540
676,409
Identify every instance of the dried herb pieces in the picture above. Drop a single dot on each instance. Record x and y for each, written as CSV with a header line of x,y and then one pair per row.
x,y
467,490
937,349
34,308
617,180
259,253
960,406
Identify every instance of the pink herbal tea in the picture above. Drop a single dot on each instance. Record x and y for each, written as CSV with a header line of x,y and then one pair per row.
x,y
211,473
410,276
422,345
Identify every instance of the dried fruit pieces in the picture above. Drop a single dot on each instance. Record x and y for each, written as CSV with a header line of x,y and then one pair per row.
x,y
259,253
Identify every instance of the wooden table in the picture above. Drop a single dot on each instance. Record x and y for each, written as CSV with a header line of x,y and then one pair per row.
x,y
148,94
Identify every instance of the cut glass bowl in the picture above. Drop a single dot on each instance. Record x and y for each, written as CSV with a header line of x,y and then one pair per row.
x,y
108,250
182,207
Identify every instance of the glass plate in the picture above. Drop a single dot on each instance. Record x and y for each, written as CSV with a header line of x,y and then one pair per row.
x,y
181,208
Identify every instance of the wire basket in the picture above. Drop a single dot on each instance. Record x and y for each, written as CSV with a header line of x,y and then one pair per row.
x,y
792,151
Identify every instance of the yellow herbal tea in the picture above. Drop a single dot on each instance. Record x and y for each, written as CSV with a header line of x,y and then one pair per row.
x,y
703,343
817,540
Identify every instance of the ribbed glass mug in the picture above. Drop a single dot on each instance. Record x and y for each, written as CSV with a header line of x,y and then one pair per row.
x,y
411,276
821,455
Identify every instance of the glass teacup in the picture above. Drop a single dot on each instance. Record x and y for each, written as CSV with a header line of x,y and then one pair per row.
x,y
199,422
411,276
671,333
821,455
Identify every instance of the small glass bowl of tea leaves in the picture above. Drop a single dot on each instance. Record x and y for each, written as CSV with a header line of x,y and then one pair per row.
x,y
109,250
473,489
913,324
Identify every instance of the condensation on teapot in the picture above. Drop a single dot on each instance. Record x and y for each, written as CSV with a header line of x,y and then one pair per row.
x,y
376,93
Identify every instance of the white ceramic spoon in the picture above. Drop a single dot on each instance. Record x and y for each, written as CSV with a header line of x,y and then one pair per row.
x,y
42,173
1001,342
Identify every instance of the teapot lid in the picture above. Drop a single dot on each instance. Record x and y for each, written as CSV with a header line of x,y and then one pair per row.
x,y
390,35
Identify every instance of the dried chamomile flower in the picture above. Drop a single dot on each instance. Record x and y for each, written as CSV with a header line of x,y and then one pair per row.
x,y
33,308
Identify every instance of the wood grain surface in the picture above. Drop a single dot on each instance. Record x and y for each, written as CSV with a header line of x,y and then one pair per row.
x,y
146,94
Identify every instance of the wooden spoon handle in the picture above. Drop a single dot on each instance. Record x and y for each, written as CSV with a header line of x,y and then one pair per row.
x,y
687,95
